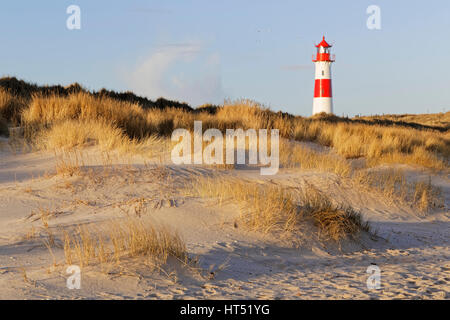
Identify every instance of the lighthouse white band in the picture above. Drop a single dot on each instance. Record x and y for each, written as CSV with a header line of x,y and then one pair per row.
x,y
322,105
323,70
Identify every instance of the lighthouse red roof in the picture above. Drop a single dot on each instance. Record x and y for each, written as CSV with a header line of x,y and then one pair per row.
x,y
323,44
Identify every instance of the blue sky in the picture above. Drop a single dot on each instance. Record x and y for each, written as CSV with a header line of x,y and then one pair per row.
x,y
210,50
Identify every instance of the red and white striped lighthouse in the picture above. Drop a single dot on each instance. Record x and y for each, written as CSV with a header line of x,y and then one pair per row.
x,y
323,97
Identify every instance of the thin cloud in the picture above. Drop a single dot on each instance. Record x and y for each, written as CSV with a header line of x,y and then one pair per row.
x,y
178,71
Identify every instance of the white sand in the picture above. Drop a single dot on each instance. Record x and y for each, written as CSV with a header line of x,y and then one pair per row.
x,y
412,250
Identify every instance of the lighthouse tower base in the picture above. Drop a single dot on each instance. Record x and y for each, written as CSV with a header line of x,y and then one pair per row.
x,y
323,104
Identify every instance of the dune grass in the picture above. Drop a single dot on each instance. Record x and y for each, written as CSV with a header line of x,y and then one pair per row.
x,y
120,240
45,111
439,120
394,186
379,144
80,119
349,138
293,155
279,210
11,107
70,134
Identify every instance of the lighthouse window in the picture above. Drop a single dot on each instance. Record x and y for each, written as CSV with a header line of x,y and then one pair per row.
x,y
323,72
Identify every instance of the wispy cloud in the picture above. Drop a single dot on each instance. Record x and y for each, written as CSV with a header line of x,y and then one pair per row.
x,y
180,71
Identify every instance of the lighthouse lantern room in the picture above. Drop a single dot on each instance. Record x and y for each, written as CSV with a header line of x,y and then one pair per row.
x,y
323,97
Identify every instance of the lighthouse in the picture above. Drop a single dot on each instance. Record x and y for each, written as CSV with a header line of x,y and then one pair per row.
x,y
323,97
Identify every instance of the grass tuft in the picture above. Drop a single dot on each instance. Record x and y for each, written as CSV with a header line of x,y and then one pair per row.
x,y
393,185
279,210
120,240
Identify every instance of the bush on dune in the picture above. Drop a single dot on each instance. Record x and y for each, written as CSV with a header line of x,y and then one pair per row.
x,y
11,107
4,131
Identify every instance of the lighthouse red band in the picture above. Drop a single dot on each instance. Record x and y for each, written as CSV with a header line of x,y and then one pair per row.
x,y
323,96
322,88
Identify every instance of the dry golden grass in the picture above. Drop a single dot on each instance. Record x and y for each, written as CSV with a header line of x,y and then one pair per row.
x,y
71,133
48,110
393,185
90,115
68,138
379,144
81,119
334,222
440,120
122,239
69,163
11,107
293,155
279,210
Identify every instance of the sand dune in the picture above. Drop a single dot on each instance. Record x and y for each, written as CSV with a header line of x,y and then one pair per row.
x,y
410,248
